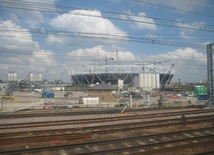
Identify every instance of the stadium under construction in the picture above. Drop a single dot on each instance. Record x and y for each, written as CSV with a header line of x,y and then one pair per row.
x,y
86,75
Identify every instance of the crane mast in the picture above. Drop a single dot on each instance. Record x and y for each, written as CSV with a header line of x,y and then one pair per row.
x,y
106,60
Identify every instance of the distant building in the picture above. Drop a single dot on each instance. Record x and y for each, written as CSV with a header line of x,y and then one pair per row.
x,y
68,95
106,92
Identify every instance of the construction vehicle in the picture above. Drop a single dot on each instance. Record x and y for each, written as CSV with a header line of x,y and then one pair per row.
x,y
5,95
48,105
135,92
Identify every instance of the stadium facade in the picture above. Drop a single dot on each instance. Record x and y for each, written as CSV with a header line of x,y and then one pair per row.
x,y
86,75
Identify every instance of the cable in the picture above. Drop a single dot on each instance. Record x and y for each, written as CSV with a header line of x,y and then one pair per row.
x,y
30,4
101,36
134,39
62,56
172,8
38,33
114,37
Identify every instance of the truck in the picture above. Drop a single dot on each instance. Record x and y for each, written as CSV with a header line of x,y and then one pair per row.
x,y
200,90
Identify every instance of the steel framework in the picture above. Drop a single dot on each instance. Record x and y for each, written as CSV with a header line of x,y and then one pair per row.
x,y
210,75
90,74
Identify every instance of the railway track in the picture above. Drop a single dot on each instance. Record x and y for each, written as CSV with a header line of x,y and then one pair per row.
x,y
75,112
142,144
193,119
135,133
84,133
102,119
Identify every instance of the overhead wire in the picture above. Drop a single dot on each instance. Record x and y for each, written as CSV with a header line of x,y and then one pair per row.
x,y
135,39
63,56
39,32
153,41
31,6
59,56
173,8
111,36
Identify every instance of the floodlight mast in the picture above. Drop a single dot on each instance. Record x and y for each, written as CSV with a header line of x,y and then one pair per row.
x,y
210,90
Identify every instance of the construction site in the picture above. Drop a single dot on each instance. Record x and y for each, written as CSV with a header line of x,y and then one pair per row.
x,y
109,77
146,85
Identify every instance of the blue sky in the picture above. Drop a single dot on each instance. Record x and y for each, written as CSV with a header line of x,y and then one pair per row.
x,y
55,35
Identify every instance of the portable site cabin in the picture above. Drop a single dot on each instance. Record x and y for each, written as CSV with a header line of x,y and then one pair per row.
x,y
105,92
89,100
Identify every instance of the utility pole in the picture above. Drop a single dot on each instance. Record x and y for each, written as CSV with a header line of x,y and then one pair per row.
x,y
210,75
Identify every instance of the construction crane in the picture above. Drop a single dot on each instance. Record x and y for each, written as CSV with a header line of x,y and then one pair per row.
x,y
61,76
106,59
45,75
118,60
154,62
158,62
118,63
143,63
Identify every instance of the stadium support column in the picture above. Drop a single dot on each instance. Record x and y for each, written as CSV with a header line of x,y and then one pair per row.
x,y
210,75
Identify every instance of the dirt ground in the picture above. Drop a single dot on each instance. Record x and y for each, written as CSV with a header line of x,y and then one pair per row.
x,y
22,100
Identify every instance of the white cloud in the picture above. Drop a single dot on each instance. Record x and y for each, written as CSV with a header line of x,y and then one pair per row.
x,y
55,39
152,36
115,1
29,13
16,39
19,53
191,26
141,22
188,5
188,62
33,18
188,54
188,28
85,21
13,17
24,64
100,53
42,57
85,27
184,35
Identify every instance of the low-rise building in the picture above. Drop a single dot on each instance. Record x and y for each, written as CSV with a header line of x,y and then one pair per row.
x,y
106,92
